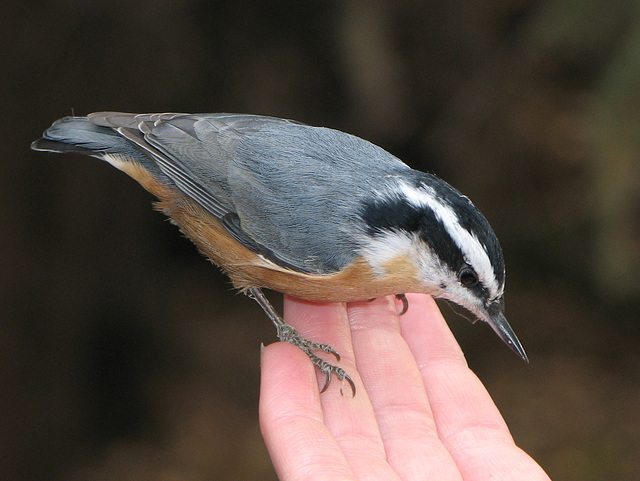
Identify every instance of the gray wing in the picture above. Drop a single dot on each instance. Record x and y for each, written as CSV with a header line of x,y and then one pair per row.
x,y
290,191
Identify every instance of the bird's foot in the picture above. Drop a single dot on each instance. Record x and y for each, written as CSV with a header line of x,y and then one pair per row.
x,y
287,333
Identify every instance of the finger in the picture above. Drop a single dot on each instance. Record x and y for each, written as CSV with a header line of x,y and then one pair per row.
x,y
291,419
468,421
350,419
394,385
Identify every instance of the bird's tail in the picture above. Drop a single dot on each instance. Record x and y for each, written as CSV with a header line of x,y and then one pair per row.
x,y
80,135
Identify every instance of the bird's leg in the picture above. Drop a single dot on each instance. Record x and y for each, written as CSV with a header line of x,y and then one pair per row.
x,y
287,333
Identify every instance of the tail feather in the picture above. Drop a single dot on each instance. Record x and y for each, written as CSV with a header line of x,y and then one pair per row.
x,y
80,135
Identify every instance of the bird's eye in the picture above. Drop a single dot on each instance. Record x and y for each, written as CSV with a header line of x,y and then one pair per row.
x,y
468,277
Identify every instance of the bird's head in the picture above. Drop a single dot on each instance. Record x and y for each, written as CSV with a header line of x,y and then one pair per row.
x,y
457,254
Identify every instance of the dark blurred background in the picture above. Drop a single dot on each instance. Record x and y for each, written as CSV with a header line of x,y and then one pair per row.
x,y
126,356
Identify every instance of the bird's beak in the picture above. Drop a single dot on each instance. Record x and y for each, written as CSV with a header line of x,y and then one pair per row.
x,y
495,318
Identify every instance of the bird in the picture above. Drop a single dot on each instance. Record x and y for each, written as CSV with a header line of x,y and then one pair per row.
x,y
311,212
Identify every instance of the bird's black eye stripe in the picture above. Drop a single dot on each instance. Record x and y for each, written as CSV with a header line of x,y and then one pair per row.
x,y
395,214
470,218
468,277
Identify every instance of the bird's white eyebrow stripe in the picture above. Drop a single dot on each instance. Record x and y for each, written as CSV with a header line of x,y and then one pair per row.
x,y
473,250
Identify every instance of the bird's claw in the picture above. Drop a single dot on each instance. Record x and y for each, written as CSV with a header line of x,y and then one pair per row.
x,y
405,303
329,369
287,333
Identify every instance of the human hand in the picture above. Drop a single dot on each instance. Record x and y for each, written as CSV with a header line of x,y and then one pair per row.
x,y
419,412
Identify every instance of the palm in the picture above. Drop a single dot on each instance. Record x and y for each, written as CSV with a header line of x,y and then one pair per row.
x,y
419,412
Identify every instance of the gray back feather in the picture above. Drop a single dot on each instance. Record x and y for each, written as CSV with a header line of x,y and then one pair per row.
x,y
291,191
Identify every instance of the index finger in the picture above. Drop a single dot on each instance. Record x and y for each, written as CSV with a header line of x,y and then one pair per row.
x,y
468,422
456,395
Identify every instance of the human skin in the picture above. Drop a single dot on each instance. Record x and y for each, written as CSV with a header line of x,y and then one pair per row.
x,y
419,411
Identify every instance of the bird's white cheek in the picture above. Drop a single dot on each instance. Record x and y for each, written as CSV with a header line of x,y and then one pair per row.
x,y
380,250
433,274
445,284
464,298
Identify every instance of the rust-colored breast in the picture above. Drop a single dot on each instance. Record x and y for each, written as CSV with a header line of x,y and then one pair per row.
x,y
356,282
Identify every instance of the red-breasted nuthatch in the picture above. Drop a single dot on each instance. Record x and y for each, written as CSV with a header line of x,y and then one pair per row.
x,y
311,212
